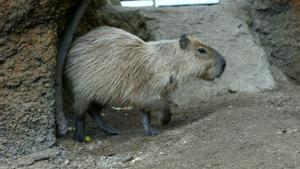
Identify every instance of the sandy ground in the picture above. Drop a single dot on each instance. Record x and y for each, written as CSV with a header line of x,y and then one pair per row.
x,y
234,131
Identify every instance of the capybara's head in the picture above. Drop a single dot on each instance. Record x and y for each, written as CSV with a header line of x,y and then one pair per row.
x,y
205,62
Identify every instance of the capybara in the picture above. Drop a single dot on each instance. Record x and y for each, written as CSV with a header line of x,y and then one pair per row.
x,y
111,67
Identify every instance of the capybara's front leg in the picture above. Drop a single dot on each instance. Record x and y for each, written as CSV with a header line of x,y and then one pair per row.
x,y
164,117
164,113
148,130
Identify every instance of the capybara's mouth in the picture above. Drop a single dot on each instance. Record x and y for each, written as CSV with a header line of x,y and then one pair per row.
x,y
210,80
207,77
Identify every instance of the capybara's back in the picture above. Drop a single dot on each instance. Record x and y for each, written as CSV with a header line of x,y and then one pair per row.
x,y
107,66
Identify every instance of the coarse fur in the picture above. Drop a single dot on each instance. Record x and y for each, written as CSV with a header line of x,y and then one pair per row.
x,y
110,66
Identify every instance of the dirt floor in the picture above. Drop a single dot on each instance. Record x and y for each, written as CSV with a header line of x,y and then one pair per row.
x,y
233,131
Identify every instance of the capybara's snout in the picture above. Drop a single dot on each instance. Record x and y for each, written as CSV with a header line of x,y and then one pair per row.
x,y
218,67
221,65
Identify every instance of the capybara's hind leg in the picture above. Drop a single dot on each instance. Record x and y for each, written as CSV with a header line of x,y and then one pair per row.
x,y
165,115
80,128
148,130
94,112
80,106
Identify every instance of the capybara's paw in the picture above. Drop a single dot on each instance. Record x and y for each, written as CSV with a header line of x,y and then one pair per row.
x,y
165,120
111,131
79,136
151,132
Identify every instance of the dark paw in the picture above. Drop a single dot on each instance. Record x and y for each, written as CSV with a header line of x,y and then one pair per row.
x,y
165,117
79,137
165,120
151,132
111,131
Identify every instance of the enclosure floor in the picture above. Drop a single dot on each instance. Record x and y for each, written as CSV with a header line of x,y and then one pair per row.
x,y
260,130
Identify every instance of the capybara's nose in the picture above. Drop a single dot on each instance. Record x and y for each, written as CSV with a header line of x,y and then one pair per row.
x,y
223,65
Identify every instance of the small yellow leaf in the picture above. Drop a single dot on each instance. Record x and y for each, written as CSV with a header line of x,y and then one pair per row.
x,y
88,138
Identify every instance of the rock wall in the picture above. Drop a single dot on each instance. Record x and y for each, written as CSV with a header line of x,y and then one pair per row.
x,y
28,37
277,23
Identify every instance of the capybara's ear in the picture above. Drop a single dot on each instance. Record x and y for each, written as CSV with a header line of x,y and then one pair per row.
x,y
183,41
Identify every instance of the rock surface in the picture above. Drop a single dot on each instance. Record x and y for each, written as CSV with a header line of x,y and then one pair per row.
x,y
277,24
28,36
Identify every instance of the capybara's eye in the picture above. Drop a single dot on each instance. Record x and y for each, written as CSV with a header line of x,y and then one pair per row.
x,y
202,50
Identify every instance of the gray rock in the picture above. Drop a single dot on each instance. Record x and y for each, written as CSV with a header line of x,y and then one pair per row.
x,y
276,24
36,157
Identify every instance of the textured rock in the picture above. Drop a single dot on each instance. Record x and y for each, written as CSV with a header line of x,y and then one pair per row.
x,y
27,119
29,32
28,36
277,24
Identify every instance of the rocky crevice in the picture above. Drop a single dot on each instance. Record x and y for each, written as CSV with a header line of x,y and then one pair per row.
x,y
277,24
